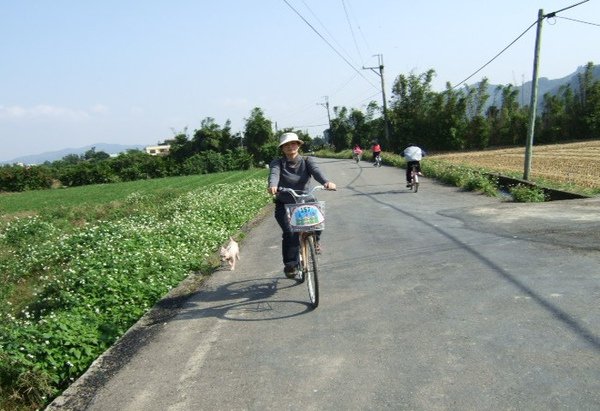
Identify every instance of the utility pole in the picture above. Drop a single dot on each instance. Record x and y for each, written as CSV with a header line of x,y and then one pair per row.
x,y
534,86
534,97
380,74
326,105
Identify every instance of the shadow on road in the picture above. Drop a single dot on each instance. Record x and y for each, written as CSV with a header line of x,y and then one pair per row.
x,y
248,300
565,318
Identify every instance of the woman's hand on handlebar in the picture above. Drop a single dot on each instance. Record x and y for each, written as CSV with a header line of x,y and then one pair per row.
x,y
272,190
329,185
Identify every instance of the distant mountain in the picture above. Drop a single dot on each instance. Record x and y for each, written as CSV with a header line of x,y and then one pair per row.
x,y
545,85
57,155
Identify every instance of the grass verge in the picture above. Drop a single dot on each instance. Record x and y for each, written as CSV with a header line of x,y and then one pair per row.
x,y
67,292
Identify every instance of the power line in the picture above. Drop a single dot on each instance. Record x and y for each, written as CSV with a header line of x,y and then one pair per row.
x,y
352,31
578,21
497,55
553,14
309,126
326,30
566,8
366,43
328,43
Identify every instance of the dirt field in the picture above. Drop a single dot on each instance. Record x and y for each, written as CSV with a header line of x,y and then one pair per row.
x,y
573,163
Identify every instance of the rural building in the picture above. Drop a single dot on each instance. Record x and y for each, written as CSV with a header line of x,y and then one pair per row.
x,y
158,150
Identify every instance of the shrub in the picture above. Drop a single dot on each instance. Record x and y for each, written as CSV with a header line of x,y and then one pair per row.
x,y
20,178
525,194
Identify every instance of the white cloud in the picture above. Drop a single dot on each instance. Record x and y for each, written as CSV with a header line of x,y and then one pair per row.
x,y
99,109
42,111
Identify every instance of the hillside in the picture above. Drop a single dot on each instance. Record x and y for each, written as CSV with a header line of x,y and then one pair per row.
x,y
545,85
59,154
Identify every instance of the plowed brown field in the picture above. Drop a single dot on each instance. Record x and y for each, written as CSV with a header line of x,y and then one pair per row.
x,y
572,163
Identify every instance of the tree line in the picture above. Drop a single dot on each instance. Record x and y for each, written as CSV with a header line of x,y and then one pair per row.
x,y
462,119
451,120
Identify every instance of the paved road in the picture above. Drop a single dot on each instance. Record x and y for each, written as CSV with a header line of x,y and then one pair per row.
x,y
440,300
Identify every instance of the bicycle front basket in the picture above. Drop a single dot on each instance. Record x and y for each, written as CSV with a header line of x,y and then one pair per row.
x,y
306,216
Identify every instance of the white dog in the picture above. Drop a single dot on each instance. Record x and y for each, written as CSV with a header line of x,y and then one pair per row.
x,y
230,253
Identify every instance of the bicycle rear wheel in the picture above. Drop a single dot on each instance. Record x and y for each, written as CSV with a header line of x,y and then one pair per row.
x,y
415,180
311,271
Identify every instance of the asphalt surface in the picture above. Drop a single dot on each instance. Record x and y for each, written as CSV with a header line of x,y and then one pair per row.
x,y
439,300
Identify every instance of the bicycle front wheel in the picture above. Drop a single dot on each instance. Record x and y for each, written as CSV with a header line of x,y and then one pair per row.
x,y
311,269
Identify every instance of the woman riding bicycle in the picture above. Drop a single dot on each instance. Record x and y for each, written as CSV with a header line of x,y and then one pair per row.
x,y
291,171
376,149
357,152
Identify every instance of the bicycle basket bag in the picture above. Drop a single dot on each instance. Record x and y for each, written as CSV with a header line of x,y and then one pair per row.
x,y
306,216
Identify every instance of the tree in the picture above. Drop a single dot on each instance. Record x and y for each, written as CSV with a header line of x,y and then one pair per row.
x,y
412,100
509,124
553,124
478,129
181,147
589,103
449,120
71,159
341,130
258,131
211,136
93,155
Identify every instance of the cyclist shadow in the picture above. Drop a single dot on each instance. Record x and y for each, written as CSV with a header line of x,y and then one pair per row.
x,y
247,300
375,193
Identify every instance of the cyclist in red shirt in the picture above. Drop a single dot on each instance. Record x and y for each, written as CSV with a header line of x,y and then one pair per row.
x,y
376,149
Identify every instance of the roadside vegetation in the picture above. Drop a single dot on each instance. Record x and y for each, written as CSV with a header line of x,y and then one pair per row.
x,y
572,167
74,278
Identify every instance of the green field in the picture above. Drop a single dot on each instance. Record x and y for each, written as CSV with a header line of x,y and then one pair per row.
x,y
79,266
40,201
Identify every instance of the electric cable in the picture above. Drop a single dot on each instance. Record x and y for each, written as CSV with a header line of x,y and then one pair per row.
x,y
553,14
328,43
352,31
326,30
497,55
578,21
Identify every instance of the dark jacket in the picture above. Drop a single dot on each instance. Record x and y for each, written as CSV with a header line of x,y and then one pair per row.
x,y
294,174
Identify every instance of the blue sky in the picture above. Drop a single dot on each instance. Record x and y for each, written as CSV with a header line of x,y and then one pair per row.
x,y
75,73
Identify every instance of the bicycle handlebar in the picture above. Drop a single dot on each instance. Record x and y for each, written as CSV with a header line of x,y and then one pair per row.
x,y
297,194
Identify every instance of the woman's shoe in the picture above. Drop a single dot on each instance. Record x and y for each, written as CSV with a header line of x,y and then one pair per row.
x,y
289,271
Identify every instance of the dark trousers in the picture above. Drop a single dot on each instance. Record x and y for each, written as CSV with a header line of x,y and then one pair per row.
x,y
290,241
409,165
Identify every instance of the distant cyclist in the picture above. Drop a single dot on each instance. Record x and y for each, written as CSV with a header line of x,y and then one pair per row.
x,y
376,149
357,152
413,155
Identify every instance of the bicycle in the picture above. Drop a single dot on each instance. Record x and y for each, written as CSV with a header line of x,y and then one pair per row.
x,y
356,156
306,216
414,178
377,160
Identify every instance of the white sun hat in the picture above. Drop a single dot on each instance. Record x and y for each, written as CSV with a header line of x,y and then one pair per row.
x,y
287,137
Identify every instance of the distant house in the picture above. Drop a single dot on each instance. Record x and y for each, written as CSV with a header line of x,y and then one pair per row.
x,y
162,150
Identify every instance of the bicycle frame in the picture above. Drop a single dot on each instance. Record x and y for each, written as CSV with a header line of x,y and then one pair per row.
x,y
378,160
307,220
